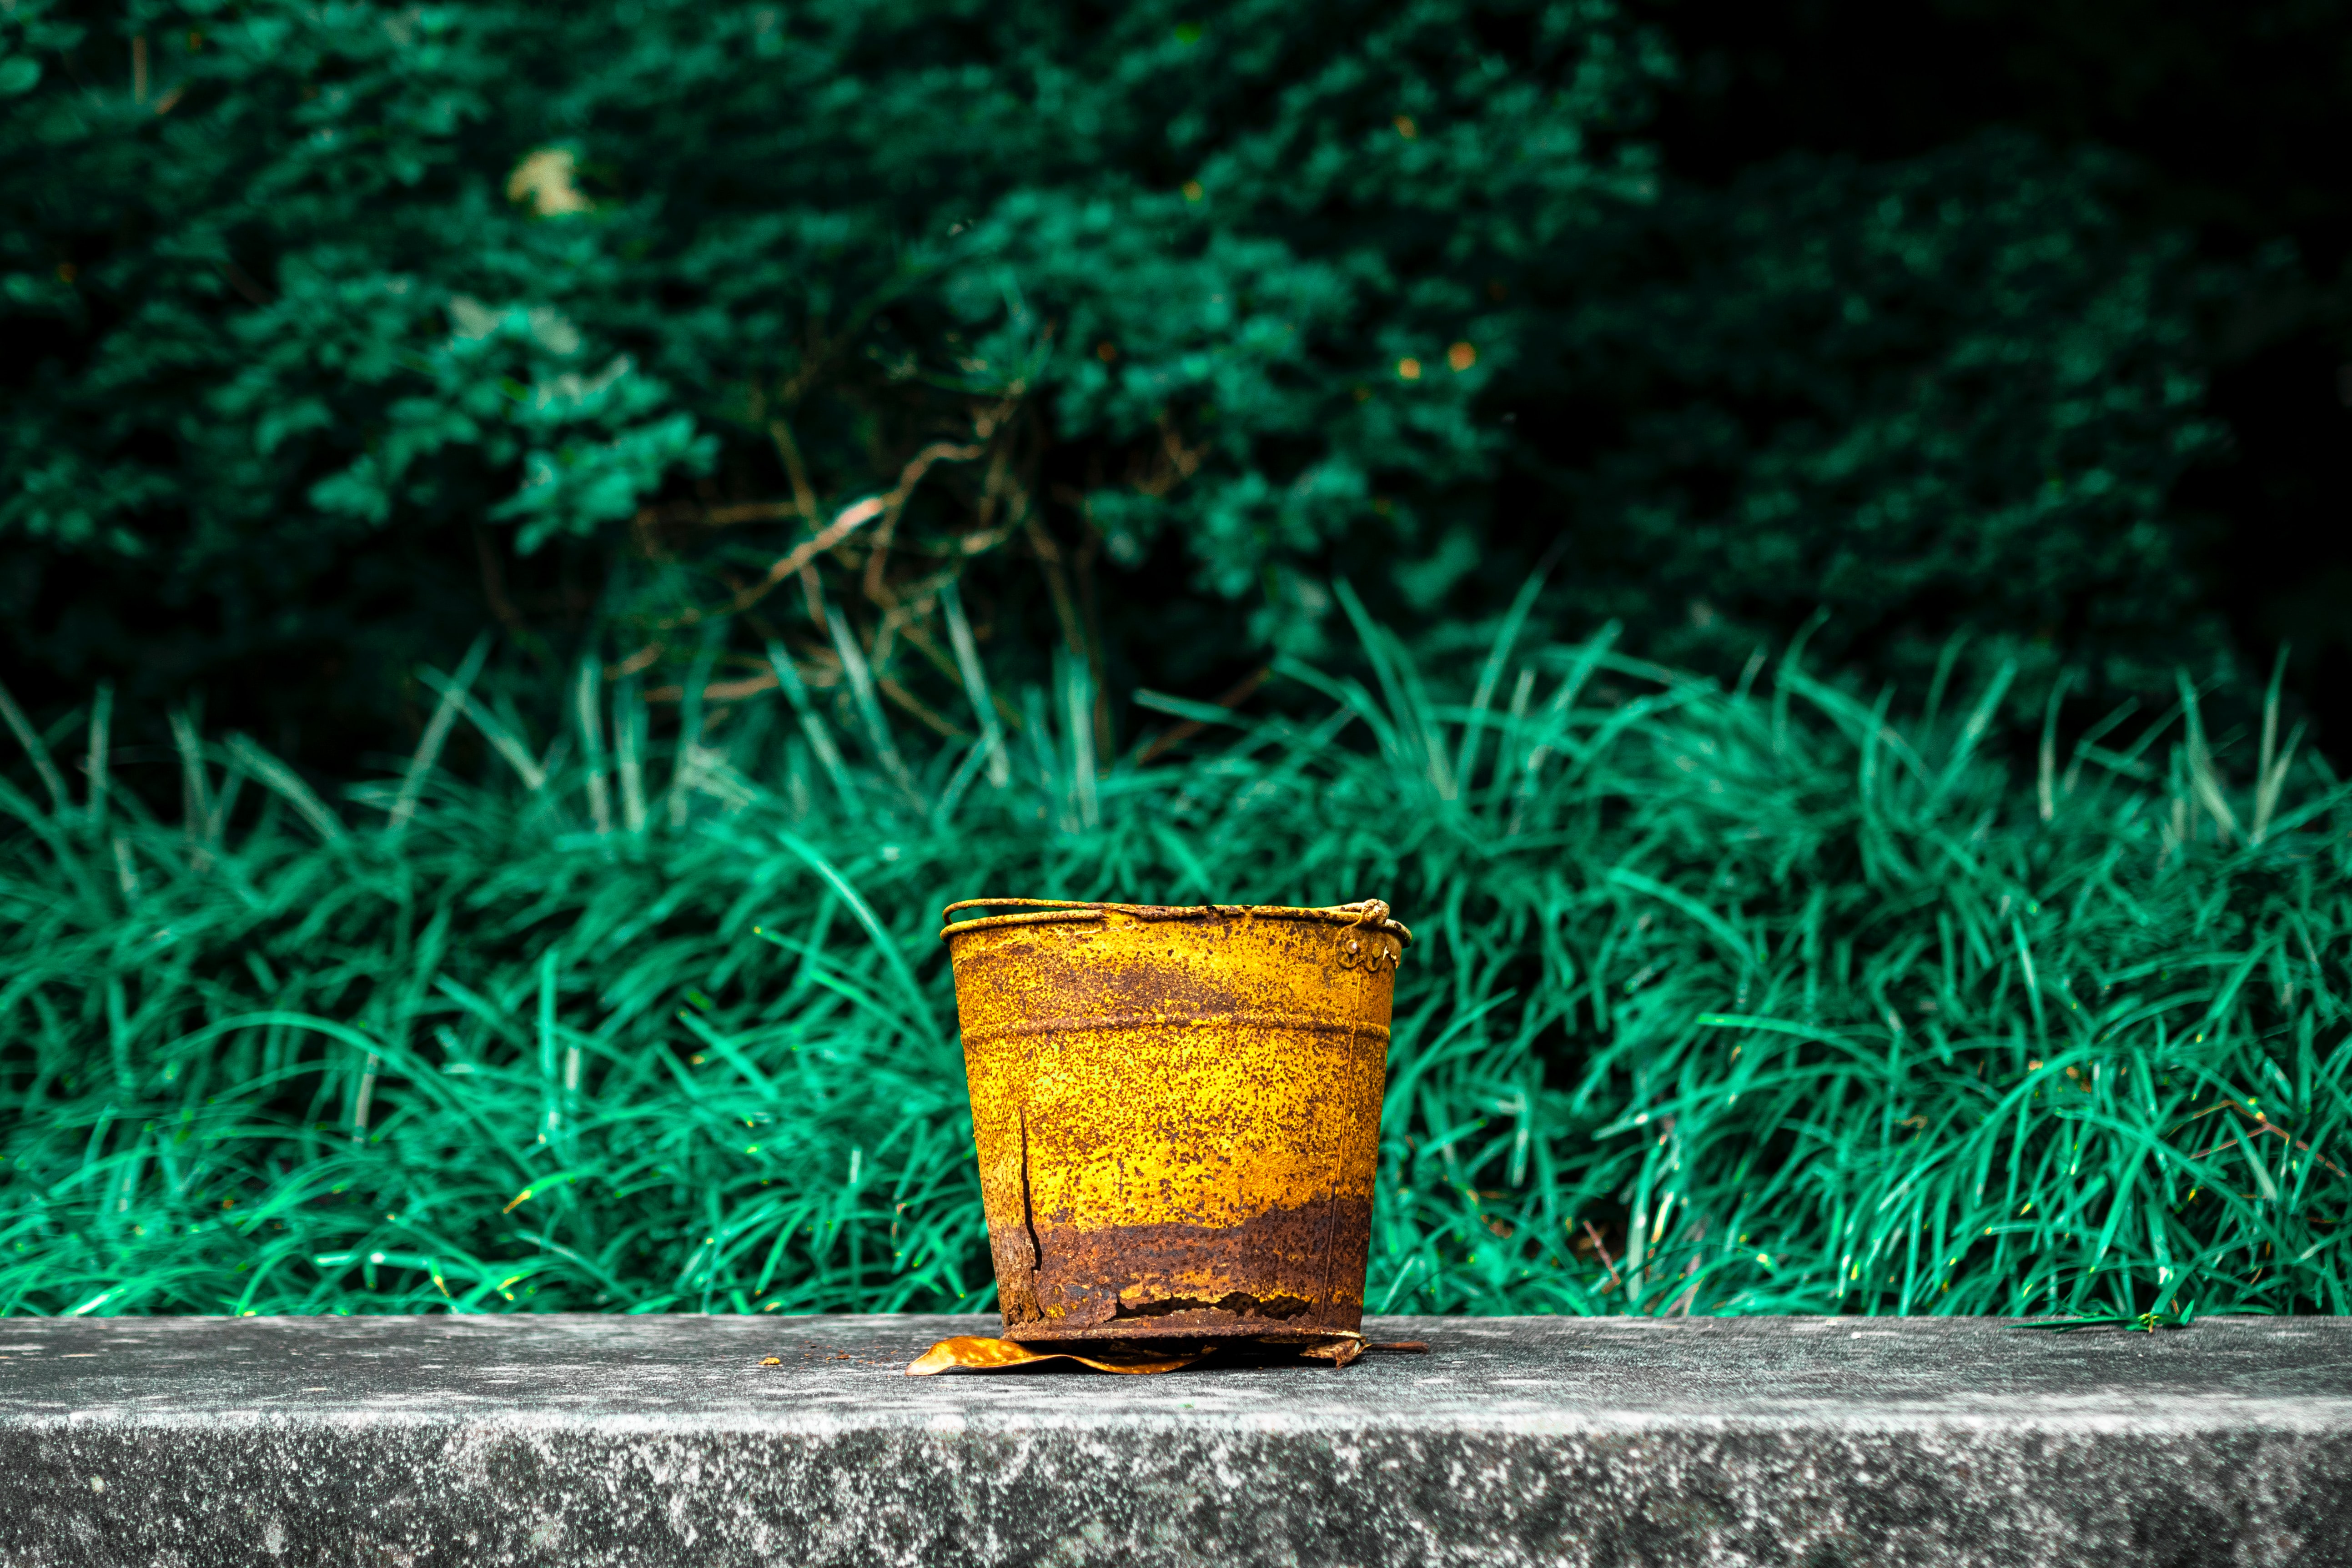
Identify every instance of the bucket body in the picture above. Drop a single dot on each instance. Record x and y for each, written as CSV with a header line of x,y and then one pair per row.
x,y
1178,1113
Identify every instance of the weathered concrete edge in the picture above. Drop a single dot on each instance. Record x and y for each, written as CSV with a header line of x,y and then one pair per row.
x,y
471,1492
597,1441
2286,1418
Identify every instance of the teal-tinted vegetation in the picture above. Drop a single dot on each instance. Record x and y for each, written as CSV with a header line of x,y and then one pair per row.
x,y
338,331
1753,998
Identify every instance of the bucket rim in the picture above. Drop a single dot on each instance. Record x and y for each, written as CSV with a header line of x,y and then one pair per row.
x,y
1372,912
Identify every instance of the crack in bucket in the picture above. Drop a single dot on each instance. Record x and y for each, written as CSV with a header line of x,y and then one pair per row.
x,y
1029,1203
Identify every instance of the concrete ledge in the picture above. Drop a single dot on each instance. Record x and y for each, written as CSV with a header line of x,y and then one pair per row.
x,y
658,1441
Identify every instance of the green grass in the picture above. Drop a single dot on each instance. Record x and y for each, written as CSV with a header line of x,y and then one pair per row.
x,y
1765,1000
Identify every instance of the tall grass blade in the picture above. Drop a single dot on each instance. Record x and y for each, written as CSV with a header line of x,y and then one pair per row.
x,y
436,733
812,725
869,705
587,713
101,720
629,753
975,686
289,787
35,748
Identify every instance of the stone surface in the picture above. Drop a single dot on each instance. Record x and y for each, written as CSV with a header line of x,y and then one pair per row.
x,y
657,1441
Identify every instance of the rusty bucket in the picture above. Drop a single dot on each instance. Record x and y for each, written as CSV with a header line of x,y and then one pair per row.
x,y
1178,1112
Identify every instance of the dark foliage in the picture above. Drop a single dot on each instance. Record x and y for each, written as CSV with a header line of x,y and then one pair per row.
x,y
2230,122
345,330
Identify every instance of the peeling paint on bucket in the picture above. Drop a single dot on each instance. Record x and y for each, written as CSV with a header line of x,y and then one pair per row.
x,y
1178,1112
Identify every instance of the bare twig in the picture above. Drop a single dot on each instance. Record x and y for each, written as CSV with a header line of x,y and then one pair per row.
x,y
850,518
641,659
921,710
718,690
1601,1247
796,470
2262,1124
908,478
245,283
1049,557
1234,698
494,584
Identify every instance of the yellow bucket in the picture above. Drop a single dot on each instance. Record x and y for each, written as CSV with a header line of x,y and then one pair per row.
x,y
1178,1112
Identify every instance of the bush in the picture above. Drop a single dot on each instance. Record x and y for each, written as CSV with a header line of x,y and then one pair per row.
x,y
1723,1001
1951,394
344,327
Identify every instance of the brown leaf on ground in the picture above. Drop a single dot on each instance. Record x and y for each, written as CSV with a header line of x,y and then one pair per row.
x,y
978,1354
996,1355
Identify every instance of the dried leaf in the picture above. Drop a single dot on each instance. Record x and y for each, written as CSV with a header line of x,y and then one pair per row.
x,y
996,1355
979,1354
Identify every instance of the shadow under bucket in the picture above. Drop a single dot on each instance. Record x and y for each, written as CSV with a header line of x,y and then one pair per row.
x,y
1178,1112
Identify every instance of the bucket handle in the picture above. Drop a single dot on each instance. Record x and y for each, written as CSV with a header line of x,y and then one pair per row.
x,y
948,915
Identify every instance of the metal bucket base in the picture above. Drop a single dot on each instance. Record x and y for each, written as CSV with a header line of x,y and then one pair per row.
x,y
1125,1329
1176,1342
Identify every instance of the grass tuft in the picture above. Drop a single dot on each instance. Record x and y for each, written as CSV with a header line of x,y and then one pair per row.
x,y
1753,1000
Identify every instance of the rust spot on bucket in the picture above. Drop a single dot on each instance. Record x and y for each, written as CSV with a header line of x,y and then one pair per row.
x,y
1177,1112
